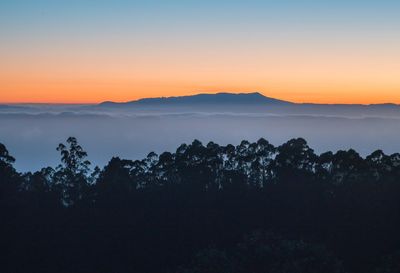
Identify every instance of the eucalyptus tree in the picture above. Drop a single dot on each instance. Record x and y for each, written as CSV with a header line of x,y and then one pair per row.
x,y
71,177
9,178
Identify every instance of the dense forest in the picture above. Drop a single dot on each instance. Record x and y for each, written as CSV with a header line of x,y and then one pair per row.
x,y
251,208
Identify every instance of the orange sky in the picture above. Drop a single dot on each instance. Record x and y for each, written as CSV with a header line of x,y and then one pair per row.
x,y
89,73
301,51
307,77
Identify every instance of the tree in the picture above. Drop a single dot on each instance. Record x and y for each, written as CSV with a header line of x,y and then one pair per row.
x,y
295,160
8,175
40,182
165,170
261,167
379,164
71,176
5,156
115,181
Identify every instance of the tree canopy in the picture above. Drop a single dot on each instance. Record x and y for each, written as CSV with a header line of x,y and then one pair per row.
x,y
207,208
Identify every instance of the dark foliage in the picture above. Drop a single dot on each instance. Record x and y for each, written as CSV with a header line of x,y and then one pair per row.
x,y
204,209
265,252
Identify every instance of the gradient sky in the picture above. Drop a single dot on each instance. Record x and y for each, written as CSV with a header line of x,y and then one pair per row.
x,y
79,51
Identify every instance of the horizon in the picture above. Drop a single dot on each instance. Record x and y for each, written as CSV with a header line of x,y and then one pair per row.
x,y
191,95
83,52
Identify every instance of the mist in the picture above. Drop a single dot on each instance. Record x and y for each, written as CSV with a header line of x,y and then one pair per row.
x,y
32,133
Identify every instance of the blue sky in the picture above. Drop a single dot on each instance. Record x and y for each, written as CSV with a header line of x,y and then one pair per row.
x,y
126,36
22,17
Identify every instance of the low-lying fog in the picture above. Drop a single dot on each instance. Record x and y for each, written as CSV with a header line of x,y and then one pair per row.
x,y
32,133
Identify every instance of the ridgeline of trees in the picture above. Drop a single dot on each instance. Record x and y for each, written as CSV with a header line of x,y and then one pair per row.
x,y
253,208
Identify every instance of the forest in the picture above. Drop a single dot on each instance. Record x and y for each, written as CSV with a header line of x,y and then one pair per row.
x,y
250,208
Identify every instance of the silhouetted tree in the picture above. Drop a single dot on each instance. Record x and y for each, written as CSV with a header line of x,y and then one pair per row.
x,y
295,160
115,181
70,178
154,214
9,180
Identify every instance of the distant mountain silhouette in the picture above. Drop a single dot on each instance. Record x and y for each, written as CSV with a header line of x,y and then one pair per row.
x,y
204,99
5,107
248,103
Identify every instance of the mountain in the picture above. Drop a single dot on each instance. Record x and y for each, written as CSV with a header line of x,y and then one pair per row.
x,y
224,99
12,108
248,103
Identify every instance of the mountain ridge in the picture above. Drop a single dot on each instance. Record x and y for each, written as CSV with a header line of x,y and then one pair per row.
x,y
224,98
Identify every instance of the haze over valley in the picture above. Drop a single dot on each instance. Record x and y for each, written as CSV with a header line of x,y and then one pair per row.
x,y
131,130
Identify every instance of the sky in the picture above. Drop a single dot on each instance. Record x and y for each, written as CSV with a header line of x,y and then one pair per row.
x,y
89,51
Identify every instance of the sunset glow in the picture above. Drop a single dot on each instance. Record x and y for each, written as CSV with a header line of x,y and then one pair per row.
x,y
79,52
